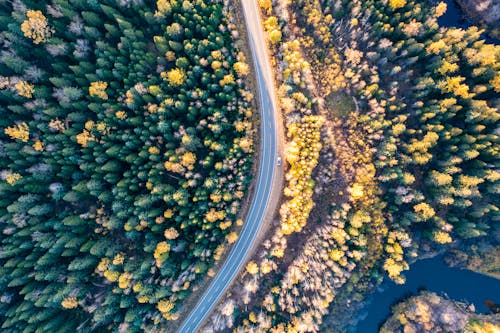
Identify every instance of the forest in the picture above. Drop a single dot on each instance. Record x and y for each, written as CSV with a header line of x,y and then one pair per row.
x,y
129,146
406,124
126,143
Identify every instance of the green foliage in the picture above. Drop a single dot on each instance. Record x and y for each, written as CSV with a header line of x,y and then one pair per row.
x,y
115,156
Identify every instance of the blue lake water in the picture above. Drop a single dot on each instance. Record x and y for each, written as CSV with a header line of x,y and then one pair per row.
x,y
432,275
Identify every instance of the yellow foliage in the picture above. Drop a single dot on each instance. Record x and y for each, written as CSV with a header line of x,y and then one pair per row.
x,y
216,54
272,27
437,47
440,9
84,138
442,237
485,327
154,150
441,178
395,4
98,89
455,85
162,7
143,299
25,89
336,254
174,167
447,67
469,181
101,127
18,131
124,280
165,306
36,27
424,210
487,55
495,83
252,268
38,145
232,237
171,233
241,68
228,79
118,259
12,178
267,5
213,215
57,125
111,276
266,266
356,191
219,251
103,264
275,36
216,196
168,213
303,159
419,148
176,77
359,218
69,303
278,252
121,115
225,225
161,248
216,65
393,268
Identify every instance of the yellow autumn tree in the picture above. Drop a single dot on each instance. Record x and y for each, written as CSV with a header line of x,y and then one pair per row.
x,y
69,303
18,131
38,145
273,30
424,211
275,36
495,83
395,4
161,249
232,237
36,27
176,77
98,89
166,307
440,9
241,68
163,8
227,79
12,178
25,89
266,5
394,268
442,237
171,233
124,280
252,268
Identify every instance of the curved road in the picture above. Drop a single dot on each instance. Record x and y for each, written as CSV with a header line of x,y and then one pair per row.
x,y
269,180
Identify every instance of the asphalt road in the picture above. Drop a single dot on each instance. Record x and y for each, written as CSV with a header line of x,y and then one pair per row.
x,y
263,204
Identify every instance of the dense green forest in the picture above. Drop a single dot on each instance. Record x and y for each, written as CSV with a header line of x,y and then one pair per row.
x,y
125,148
